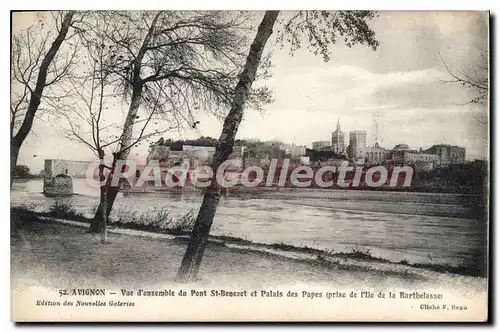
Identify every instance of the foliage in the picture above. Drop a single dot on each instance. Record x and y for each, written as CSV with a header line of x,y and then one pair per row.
x,y
182,225
210,141
316,155
155,220
21,171
323,28
359,252
63,209
184,61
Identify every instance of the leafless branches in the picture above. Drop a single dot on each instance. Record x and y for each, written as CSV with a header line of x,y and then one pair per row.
x,y
166,66
92,118
475,78
30,48
202,52
35,67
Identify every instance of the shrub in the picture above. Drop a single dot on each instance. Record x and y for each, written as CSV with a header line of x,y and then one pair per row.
x,y
63,209
360,252
404,262
155,220
183,225
123,215
21,214
27,207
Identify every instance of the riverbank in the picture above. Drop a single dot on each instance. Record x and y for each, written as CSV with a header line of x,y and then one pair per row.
x,y
418,228
48,256
178,232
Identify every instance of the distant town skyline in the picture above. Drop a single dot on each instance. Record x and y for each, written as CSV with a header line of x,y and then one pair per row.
x,y
372,139
401,82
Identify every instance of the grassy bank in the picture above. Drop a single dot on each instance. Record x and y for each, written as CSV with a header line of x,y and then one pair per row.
x,y
160,222
54,255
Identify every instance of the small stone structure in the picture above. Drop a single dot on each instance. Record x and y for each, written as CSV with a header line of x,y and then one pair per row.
x,y
60,185
59,174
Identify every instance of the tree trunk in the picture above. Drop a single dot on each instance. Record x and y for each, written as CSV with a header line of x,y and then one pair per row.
x,y
14,154
103,205
128,129
111,193
107,199
199,237
36,95
123,153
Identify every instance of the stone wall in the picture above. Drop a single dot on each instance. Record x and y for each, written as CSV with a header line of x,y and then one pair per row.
x,y
59,174
60,185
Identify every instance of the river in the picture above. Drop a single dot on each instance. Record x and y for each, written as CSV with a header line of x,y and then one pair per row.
x,y
418,227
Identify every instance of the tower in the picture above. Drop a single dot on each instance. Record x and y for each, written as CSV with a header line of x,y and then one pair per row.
x,y
357,142
376,132
338,144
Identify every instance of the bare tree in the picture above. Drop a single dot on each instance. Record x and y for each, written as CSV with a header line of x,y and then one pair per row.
x,y
92,118
474,78
189,60
321,29
35,67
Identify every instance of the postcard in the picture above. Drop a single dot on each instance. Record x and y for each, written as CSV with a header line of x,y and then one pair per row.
x,y
249,166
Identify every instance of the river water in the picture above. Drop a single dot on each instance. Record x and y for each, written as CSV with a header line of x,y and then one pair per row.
x,y
418,227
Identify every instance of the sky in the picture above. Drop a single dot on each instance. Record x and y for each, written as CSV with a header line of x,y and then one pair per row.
x,y
399,86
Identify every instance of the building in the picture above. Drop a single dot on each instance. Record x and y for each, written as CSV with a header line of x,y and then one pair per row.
x,y
357,144
261,154
305,160
293,151
398,154
338,143
58,176
447,154
197,155
440,155
419,160
190,156
321,145
373,155
401,147
457,155
158,152
415,157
